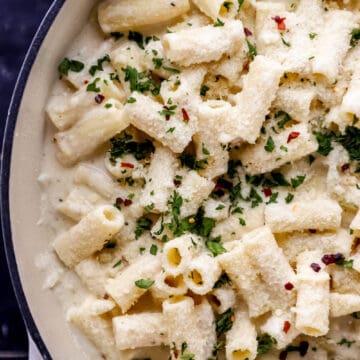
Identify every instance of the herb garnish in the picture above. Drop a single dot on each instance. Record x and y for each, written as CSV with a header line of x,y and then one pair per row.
x,y
144,283
122,145
224,322
70,65
99,66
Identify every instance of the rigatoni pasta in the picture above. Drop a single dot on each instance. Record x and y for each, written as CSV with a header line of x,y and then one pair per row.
x,y
201,177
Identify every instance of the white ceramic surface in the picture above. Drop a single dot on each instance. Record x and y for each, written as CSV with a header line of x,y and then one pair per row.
x,y
24,194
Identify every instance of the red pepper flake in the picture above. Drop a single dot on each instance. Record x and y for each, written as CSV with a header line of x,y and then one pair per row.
x,y
316,267
86,82
127,202
289,286
286,327
185,115
177,182
345,167
118,202
293,135
127,165
167,117
332,258
99,98
267,192
247,32
280,22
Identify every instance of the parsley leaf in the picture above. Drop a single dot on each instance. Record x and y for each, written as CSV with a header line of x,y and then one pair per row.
x,y
122,145
351,142
144,283
240,2
70,65
224,322
223,280
296,182
137,37
92,86
99,66
116,35
215,246
252,52
153,249
140,81
270,145
142,224
190,162
219,23
289,198
355,37
157,62
204,89
324,141
346,342
283,118
265,343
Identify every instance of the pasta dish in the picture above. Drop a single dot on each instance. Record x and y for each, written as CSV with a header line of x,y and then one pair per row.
x,y
201,180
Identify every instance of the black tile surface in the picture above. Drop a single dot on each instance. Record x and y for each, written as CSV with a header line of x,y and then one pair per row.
x,y
19,20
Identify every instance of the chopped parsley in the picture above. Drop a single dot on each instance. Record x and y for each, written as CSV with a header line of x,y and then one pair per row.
x,y
157,62
70,65
324,141
289,198
99,66
168,110
265,343
204,150
118,263
144,283
270,145
283,118
215,246
312,35
345,263
170,69
296,182
355,37
117,35
240,2
131,100
137,37
223,280
232,165
242,222
252,52
346,342
219,23
227,5
224,322
190,162
351,142
92,86
220,207
153,249
122,145
204,89
140,81
273,198
142,224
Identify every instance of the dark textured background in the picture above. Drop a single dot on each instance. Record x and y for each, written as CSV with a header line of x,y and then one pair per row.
x,y
19,20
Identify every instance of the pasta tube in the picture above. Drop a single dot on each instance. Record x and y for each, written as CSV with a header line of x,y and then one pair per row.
x,y
89,235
